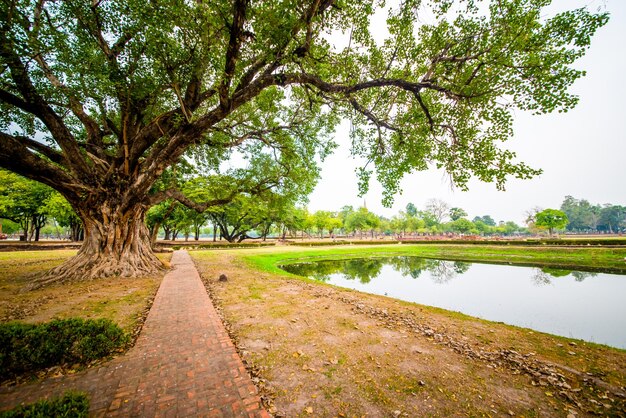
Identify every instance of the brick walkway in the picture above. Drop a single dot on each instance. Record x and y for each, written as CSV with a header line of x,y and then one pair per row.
x,y
183,364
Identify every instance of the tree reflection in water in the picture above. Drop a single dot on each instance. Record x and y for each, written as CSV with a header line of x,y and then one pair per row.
x,y
544,276
365,269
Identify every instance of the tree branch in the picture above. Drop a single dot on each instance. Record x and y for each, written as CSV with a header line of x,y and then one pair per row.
x,y
369,115
15,156
180,197
54,156
92,127
232,53
41,109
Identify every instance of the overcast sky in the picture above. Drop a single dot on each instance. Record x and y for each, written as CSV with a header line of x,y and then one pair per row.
x,y
582,152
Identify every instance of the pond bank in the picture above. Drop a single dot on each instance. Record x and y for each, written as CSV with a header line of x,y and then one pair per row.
x,y
322,351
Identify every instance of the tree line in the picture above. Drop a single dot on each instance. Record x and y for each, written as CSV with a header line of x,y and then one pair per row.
x,y
28,207
584,217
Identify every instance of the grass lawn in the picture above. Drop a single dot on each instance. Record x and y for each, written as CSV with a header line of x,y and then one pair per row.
x,y
318,350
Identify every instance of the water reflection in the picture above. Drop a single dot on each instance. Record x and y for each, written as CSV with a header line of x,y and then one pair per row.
x,y
545,275
366,269
576,304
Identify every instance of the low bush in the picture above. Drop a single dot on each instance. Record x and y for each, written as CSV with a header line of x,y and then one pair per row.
x,y
27,348
214,246
70,405
525,242
347,242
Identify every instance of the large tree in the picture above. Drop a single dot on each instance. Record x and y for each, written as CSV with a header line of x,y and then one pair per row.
x,y
99,98
551,219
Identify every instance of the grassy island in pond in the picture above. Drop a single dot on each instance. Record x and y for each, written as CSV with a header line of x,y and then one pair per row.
x,y
335,351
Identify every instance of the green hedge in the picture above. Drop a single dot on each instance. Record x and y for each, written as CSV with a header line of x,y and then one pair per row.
x,y
70,405
350,242
528,242
224,246
27,348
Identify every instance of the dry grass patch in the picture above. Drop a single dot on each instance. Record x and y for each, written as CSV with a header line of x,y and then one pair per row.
x,y
324,351
123,301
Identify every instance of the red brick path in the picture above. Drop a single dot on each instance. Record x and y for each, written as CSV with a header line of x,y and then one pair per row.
x,y
183,364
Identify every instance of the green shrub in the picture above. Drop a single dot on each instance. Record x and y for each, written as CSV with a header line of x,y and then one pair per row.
x,y
342,242
26,348
525,242
225,245
70,405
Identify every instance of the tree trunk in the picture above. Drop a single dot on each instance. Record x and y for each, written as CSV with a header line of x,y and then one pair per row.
x,y
154,233
116,244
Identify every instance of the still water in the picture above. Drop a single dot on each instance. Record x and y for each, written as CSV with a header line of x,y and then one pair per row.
x,y
575,304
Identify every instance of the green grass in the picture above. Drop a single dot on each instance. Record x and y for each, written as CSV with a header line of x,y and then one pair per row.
x,y
70,405
586,259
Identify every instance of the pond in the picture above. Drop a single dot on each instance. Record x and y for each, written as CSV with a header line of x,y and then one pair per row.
x,y
575,304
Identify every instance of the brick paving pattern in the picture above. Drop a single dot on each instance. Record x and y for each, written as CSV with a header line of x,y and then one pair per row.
x,y
184,363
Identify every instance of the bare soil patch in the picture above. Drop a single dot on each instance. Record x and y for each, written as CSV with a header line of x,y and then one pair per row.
x,y
316,350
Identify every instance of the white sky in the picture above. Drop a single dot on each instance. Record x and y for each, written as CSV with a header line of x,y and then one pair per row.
x,y
582,152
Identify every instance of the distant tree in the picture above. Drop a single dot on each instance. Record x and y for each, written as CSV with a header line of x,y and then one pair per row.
x,y
299,219
551,219
361,221
530,218
438,209
172,224
334,224
462,226
582,215
482,227
431,224
457,213
398,223
196,221
291,221
411,210
321,219
511,228
23,202
486,219
612,217
57,207
415,224
157,216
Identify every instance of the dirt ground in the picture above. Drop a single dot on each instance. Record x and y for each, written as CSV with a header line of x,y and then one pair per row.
x,y
124,301
316,350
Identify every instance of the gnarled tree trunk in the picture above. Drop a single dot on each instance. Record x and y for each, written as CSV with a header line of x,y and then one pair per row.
x,y
116,244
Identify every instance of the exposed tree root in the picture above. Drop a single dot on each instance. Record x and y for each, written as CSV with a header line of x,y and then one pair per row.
x,y
84,267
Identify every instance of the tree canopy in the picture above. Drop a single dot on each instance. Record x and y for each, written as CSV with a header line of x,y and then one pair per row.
x,y
98,99
551,219
585,217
